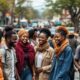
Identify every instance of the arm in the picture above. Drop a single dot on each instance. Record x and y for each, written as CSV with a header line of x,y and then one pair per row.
x,y
2,51
76,58
33,69
48,67
17,74
4,74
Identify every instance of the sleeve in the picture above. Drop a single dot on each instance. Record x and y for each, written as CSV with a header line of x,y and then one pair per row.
x,y
2,52
77,53
15,58
47,67
67,63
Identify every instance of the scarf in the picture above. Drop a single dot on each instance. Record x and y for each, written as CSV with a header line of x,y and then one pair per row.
x,y
20,54
59,49
43,47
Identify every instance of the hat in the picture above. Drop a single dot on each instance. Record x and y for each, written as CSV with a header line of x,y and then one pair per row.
x,y
21,32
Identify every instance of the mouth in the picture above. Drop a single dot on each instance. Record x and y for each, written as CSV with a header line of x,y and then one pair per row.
x,y
24,41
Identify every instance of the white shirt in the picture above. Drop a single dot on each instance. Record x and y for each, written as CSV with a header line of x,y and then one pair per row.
x,y
39,59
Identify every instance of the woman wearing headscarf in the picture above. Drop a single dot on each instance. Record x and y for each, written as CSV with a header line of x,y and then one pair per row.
x,y
43,57
25,56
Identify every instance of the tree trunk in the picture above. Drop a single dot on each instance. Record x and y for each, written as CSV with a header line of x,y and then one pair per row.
x,y
75,22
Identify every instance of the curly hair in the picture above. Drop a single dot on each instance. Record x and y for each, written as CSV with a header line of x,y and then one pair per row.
x,y
63,30
46,31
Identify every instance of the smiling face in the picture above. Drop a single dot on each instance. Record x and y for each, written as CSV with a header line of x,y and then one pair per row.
x,y
58,38
42,38
24,38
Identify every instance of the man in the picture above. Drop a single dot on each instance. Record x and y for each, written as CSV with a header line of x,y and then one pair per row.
x,y
73,42
77,58
62,64
8,56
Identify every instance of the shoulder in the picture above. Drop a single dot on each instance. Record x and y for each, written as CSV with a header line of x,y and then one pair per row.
x,y
78,47
2,51
68,51
51,49
31,46
68,48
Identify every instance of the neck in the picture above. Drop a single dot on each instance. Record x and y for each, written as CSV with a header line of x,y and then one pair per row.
x,y
42,44
9,46
61,42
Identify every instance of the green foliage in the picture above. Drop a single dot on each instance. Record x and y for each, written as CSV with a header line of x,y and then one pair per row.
x,y
3,5
29,13
73,6
59,5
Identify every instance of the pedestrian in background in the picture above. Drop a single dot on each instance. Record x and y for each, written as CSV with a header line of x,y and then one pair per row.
x,y
73,42
33,37
77,58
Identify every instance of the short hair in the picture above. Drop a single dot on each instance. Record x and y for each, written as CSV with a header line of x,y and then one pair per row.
x,y
9,34
8,28
62,30
46,31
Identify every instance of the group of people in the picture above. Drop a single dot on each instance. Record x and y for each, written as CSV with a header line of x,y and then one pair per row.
x,y
27,55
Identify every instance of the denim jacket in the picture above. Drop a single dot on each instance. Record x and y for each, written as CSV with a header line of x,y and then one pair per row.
x,y
62,65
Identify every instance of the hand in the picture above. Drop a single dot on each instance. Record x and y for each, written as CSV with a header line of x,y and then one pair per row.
x,y
33,78
78,68
40,70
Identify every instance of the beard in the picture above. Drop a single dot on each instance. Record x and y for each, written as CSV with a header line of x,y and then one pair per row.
x,y
11,44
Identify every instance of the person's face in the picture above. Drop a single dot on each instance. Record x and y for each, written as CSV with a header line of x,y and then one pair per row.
x,y
35,35
58,38
24,38
12,40
42,38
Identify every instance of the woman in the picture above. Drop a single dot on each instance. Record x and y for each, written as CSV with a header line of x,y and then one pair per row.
x,y
33,37
25,55
62,66
44,54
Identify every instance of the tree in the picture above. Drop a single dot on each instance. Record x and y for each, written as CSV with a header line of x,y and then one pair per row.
x,y
3,5
73,6
27,12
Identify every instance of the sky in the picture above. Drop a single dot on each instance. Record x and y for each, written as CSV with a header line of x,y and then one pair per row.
x,y
39,4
